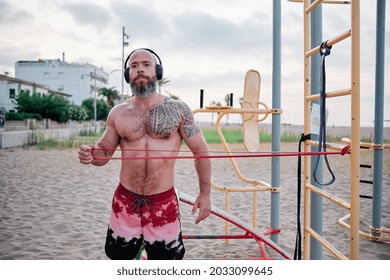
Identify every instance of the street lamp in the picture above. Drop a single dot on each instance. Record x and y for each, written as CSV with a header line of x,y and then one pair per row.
x,y
94,103
124,44
93,75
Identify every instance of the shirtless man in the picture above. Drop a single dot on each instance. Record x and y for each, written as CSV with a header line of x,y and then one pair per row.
x,y
145,207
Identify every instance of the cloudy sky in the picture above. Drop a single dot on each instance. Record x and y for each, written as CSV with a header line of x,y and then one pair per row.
x,y
204,44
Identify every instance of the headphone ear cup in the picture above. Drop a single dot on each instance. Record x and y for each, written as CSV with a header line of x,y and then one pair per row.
x,y
159,72
126,74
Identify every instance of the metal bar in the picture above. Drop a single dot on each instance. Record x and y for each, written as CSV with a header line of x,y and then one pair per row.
x,y
330,42
217,236
316,201
232,110
326,244
231,219
367,182
335,147
241,189
254,210
276,118
313,5
329,196
326,1
330,94
366,145
385,230
344,224
307,87
379,111
355,130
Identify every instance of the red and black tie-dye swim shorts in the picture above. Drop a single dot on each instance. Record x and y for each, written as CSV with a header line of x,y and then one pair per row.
x,y
153,220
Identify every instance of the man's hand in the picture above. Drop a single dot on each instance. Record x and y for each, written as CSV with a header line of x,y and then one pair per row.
x,y
202,202
85,154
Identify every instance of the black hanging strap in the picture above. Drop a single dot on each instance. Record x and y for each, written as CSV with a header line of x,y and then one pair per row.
x,y
298,239
324,52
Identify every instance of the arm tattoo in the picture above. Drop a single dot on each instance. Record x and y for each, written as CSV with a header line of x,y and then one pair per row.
x,y
189,125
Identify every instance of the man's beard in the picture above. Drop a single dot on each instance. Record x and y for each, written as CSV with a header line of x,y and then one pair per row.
x,y
143,90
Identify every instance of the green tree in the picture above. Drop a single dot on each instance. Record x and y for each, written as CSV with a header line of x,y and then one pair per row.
x,y
111,94
49,106
55,107
77,113
227,99
102,109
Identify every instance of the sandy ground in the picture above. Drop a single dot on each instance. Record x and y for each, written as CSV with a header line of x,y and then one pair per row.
x,y
52,207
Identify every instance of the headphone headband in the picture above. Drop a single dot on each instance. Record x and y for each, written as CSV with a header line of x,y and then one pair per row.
x,y
146,49
159,67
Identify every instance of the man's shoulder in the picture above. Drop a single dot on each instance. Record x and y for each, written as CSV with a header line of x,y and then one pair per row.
x,y
124,105
121,107
177,103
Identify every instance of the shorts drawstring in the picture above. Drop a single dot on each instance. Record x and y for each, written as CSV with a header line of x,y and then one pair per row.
x,y
138,205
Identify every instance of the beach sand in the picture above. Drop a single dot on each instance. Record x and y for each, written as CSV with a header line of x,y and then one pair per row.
x,y
53,207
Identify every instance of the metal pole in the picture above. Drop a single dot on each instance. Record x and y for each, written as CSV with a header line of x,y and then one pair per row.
x,y
201,98
316,201
355,131
307,85
276,96
94,103
379,107
123,57
124,44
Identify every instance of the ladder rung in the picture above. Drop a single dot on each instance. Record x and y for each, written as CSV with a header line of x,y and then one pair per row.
x,y
329,196
325,243
336,93
313,5
326,1
330,146
330,42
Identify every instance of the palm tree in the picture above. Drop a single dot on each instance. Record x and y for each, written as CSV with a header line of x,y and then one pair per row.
x,y
111,94
162,82
227,99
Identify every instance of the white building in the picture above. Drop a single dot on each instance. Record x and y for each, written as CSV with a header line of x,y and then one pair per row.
x,y
9,88
82,81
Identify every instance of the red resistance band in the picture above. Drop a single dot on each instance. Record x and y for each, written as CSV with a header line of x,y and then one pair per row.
x,y
344,151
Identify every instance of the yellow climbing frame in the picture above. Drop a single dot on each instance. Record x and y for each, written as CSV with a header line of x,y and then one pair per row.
x,y
354,92
250,112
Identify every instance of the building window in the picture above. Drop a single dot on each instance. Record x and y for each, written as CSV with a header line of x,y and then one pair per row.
x,y
12,93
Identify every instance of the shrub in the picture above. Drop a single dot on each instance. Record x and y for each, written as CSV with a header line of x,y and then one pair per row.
x,y
12,116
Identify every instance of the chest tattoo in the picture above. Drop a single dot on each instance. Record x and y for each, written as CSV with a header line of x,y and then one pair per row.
x,y
164,119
